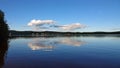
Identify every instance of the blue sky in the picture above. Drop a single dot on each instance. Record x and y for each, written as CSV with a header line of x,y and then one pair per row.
x,y
96,15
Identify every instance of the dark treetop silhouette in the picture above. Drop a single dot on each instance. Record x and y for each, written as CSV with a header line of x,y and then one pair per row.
x,y
3,27
3,39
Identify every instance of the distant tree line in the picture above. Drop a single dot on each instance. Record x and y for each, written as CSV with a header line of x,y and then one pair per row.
x,y
14,33
3,26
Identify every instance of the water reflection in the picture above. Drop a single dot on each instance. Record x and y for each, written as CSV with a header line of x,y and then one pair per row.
x,y
71,41
48,44
40,46
3,51
67,52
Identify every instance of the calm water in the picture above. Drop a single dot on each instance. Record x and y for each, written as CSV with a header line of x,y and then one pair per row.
x,y
61,52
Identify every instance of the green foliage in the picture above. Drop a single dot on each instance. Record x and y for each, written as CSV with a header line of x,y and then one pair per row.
x,y
3,26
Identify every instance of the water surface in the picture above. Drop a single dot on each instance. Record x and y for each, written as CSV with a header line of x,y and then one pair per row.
x,y
63,52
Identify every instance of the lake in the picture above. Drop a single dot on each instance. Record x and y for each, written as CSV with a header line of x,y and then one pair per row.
x,y
61,52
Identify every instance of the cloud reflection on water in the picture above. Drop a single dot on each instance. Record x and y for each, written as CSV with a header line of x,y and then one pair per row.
x,y
39,46
48,44
72,42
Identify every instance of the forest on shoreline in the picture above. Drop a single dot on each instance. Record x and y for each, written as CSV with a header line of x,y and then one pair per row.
x,y
55,33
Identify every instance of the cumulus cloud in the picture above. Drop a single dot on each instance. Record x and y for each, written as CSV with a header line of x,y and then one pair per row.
x,y
48,24
40,22
41,25
71,26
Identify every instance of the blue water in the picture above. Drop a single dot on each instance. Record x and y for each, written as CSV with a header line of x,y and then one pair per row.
x,y
63,52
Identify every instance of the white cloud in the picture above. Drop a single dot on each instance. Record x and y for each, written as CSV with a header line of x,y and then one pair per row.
x,y
40,22
43,25
71,26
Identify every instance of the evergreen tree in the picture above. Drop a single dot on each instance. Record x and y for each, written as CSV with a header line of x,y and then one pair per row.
x,y
3,26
